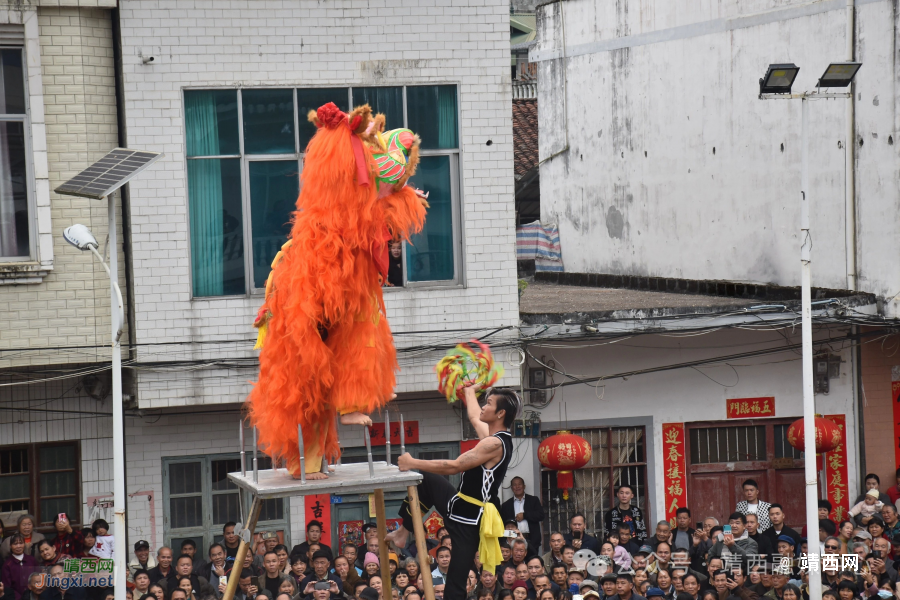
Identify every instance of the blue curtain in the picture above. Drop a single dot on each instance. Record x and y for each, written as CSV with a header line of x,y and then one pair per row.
x,y
205,194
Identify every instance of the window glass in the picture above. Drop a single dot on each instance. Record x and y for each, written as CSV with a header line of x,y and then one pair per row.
x,y
431,113
268,121
312,99
387,100
14,225
217,234
430,256
211,122
274,187
12,97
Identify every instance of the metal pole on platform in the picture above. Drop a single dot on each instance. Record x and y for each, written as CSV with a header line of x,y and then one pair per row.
x,y
387,434
255,464
369,452
402,437
302,454
241,442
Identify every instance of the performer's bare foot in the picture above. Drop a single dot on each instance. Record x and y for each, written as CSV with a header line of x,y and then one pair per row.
x,y
311,476
399,537
356,418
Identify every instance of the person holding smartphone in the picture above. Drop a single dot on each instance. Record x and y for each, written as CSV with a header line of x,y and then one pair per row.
x,y
68,541
735,541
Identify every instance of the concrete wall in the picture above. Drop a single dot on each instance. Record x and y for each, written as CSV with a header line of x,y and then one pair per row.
x,y
686,395
675,168
69,55
310,44
879,358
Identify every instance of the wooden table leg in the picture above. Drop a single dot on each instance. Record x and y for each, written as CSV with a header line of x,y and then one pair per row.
x,y
243,548
421,548
381,521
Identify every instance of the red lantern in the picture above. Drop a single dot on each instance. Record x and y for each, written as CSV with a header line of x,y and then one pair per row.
x,y
828,437
564,452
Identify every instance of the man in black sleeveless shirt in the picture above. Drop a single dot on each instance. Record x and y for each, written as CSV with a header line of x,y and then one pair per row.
x,y
483,469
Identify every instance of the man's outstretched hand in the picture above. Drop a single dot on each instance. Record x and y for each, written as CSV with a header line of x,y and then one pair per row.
x,y
405,462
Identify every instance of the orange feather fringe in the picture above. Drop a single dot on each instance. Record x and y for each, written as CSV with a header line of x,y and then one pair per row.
x,y
326,285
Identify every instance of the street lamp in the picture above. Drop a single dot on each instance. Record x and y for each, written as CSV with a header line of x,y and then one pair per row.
x,y
81,237
98,182
836,75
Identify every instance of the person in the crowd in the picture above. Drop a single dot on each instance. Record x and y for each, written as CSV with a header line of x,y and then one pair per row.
x,y
143,560
682,536
868,508
48,555
779,527
68,541
554,556
321,573
230,539
313,536
38,590
157,591
24,527
526,510
625,512
348,575
751,504
217,567
62,583
271,578
625,585
873,482
763,543
662,534
17,567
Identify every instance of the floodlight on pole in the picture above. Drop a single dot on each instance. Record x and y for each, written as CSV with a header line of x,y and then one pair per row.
x,y
778,79
837,75
99,182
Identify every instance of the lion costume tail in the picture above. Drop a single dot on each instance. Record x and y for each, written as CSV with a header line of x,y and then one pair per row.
x,y
328,348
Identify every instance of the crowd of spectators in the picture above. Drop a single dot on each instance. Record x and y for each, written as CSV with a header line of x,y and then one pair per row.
x,y
750,554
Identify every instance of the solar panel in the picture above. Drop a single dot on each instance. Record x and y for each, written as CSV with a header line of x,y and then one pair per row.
x,y
109,173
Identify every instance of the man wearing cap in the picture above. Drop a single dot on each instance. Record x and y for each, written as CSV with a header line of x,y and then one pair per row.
x,y
320,565
655,592
590,595
142,559
639,559
313,536
608,586
470,512
861,535
625,588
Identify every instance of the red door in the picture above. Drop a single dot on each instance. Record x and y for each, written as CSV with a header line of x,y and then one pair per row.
x,y
722,455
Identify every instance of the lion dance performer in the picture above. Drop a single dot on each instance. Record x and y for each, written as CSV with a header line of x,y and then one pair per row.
x,y
326,346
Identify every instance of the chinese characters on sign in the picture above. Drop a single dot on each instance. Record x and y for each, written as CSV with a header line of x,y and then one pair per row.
x,y
410,429
675,480
836,473
747,408
318,507
783,564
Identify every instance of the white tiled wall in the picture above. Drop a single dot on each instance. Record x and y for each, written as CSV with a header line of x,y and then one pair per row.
x,y
308,43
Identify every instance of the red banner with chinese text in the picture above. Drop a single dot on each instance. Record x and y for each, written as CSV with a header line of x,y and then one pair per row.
x,y
748,408
376,433
675,480
836,473
895,397
318,507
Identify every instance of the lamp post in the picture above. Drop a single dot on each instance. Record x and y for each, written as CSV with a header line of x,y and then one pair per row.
x,y
98,182
776,85
81,237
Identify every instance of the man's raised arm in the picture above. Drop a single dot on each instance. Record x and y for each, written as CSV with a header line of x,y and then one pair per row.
x,y
487,449
473,409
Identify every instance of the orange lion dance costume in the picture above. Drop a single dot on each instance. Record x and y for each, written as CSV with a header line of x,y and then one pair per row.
x,y
326,345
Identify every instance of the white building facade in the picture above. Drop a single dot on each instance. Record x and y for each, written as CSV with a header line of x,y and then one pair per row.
x,y
208,218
